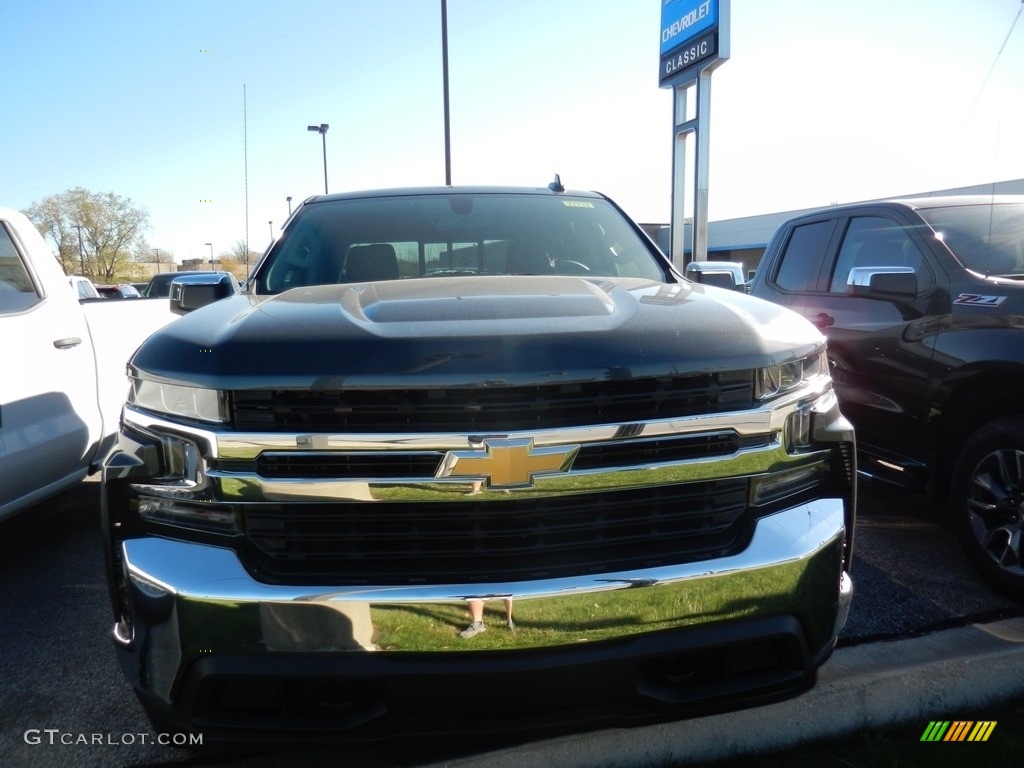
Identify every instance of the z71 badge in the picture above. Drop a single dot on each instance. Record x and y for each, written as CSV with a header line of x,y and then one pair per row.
x,y
976,299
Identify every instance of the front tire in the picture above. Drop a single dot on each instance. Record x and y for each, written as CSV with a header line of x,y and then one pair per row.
x,y
988,503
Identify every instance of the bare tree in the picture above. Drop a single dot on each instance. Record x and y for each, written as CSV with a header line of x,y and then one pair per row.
x,y
95,233
245,258
227,263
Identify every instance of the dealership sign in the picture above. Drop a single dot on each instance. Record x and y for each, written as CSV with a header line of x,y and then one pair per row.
x,y
690,37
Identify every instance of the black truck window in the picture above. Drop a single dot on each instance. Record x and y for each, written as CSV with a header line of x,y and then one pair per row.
x,y
875,241
801,260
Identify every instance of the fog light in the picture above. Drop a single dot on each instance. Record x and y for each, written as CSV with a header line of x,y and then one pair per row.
x,y
769,488
196,516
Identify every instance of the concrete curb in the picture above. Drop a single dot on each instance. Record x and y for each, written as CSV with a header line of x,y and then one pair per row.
x,y
874,686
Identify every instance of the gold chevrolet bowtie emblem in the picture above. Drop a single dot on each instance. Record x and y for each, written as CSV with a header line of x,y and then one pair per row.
x,y
507,462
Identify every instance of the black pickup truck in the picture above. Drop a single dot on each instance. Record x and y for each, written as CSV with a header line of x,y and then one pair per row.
x,y
922,301
431,406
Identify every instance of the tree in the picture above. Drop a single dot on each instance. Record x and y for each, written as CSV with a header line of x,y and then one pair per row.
x,y
156,260
245,259
227,263
95,233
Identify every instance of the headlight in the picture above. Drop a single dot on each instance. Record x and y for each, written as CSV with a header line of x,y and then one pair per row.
x,y
779,379
176,400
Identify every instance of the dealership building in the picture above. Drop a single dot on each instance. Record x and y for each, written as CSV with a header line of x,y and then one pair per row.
x,y
745,239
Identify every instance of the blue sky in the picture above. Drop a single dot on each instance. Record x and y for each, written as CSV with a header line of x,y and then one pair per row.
x,y
822,101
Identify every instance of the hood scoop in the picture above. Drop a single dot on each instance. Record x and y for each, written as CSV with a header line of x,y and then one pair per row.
x,y
471,299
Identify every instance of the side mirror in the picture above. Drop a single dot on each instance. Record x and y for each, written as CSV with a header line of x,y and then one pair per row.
x,y
190,292
882,281
721,278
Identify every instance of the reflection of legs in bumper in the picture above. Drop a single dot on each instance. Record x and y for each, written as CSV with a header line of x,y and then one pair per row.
x,y
476,617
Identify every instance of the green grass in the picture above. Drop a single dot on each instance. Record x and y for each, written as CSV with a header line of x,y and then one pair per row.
x,y
597,616
567,619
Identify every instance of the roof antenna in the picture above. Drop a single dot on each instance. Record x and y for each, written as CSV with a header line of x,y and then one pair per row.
x,y
556,185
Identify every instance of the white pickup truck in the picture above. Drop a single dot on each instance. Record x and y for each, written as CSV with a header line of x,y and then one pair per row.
x,y
62,368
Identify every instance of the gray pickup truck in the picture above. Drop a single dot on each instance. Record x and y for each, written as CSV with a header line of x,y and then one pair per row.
x,y
474,459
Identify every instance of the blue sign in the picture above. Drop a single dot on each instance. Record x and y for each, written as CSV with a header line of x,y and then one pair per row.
x,y
685,20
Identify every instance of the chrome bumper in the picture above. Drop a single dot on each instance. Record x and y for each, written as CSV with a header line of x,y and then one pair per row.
x,y
190,601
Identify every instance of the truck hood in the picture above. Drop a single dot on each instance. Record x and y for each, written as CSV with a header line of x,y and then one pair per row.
x,y
472,331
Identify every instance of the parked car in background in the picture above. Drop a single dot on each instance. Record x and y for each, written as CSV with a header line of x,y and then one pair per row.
x,y
724,274
160,284
84,287
119,291
922,301
427,400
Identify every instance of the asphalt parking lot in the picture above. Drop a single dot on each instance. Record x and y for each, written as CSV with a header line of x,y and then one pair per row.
x,y
910,574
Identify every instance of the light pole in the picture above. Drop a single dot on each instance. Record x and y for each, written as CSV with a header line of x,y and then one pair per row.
x,y
444,76
322,130
211,255
157,259
289,199
271,223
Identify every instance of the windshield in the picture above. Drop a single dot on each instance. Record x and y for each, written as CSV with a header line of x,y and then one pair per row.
x,y
985,238
431,235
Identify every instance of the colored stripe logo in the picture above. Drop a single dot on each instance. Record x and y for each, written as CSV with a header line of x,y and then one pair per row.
x,y
958,730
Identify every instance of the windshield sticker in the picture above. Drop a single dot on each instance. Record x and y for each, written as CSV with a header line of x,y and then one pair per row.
x,y
977,300
577,204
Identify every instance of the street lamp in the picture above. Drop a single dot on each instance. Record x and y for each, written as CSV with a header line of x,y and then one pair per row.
x,y
322,130
289,199
211,255
157,259
271,223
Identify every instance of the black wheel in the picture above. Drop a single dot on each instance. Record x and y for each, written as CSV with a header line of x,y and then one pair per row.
x,y
988,502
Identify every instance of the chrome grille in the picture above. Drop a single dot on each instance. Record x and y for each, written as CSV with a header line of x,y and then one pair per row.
x,y
423,464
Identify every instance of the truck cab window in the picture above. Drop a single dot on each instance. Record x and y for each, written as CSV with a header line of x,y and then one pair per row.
x,y
875,241
17,292
801,261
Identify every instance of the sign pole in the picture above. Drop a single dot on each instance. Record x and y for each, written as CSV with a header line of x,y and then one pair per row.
x,y
694,41
701,185
680,132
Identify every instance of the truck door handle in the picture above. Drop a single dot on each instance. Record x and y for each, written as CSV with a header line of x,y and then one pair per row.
x,y
68,343
822,320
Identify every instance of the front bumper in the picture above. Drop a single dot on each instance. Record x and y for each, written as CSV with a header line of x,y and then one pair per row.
x,y
209,648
